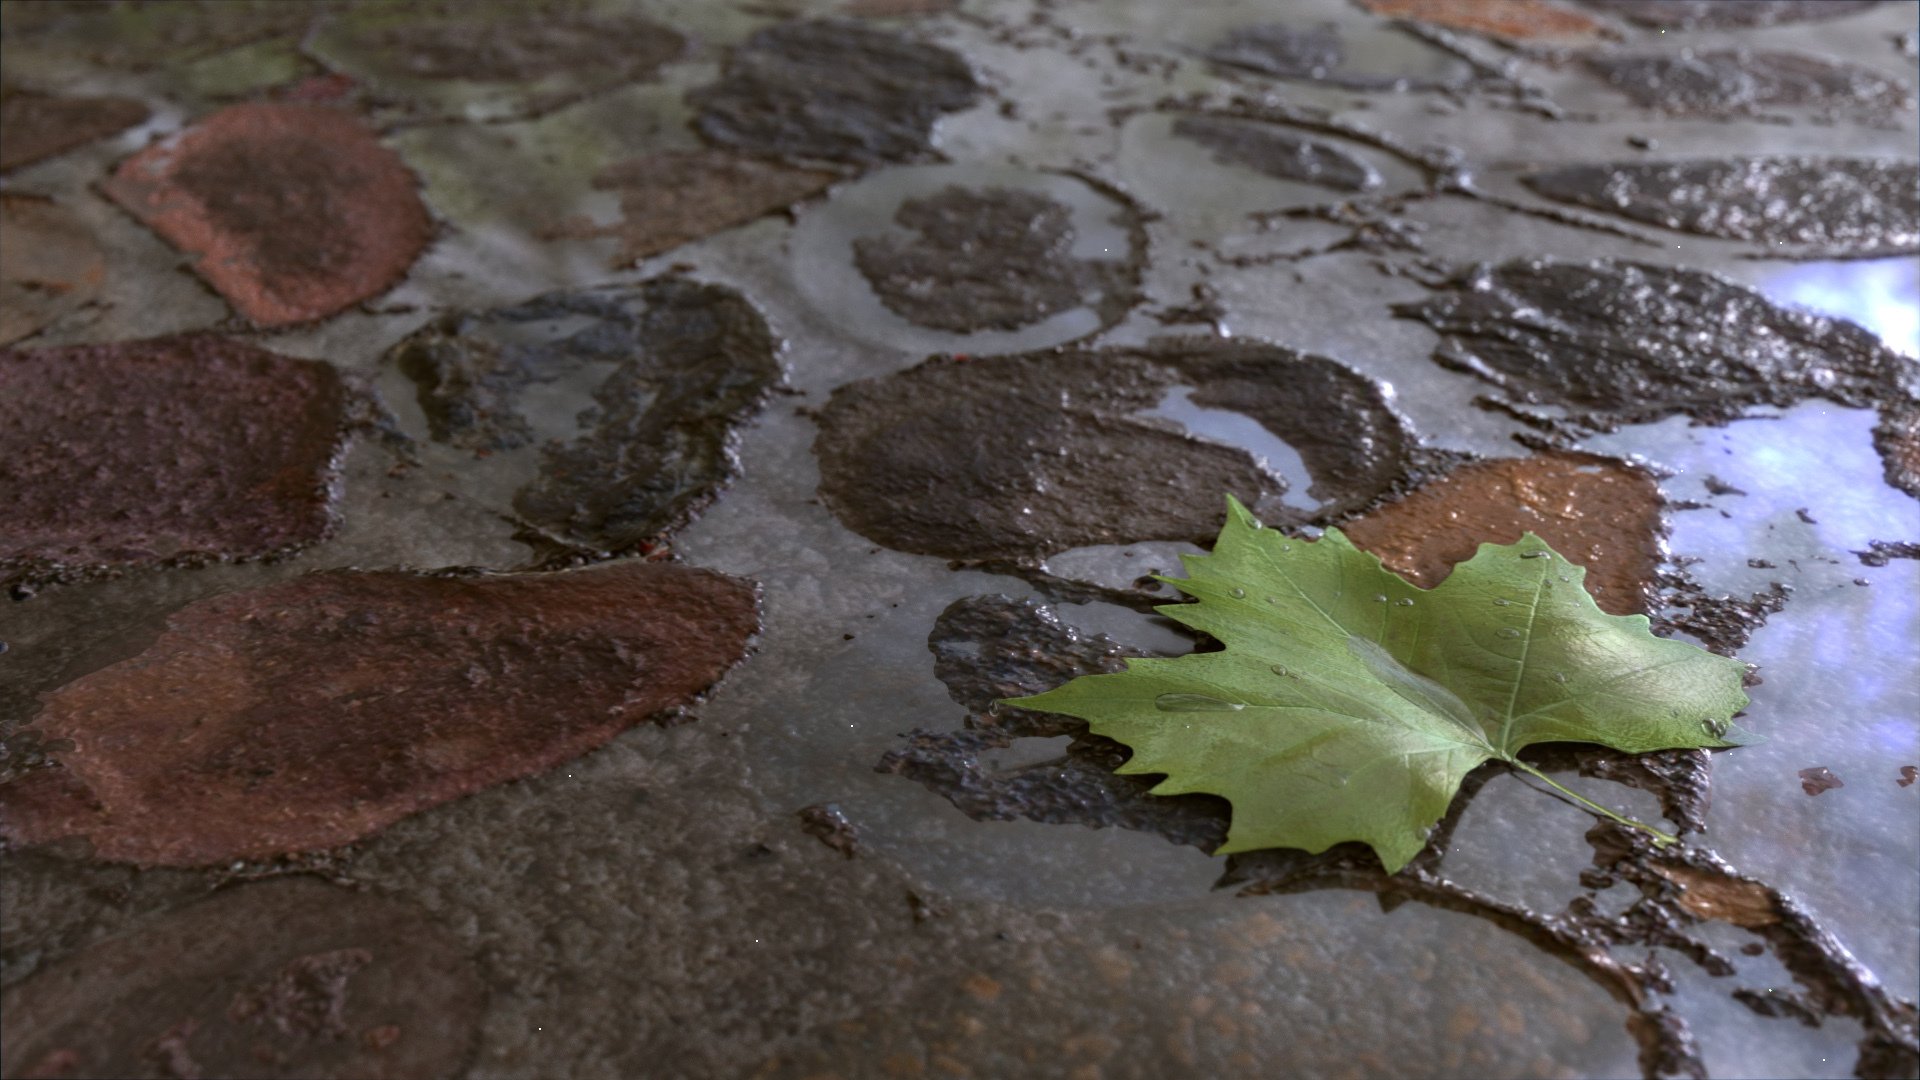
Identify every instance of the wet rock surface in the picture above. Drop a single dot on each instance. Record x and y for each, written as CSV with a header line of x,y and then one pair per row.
x,y
1603,514
989,259
50,264
526,46
682,898
833,90
676,366
1897,438
1734,81
1039,453
310,714
173,449
39,126
281,979
1322,54
1277,152
1618,342
1704,14
673,197
990,647
292,212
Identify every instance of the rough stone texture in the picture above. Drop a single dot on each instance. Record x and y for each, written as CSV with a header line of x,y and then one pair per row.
x,y
524,45
294,212
1897,437
146,37
991,647
50,264
989,259
38,126
1520,20
1628,342
167,449
1277,152
1039,453
689,364
1600,513
1735,81
674,197
1707,14
833,90
313,713
283,979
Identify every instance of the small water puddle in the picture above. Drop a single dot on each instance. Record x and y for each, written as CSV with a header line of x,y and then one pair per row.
x,y
1237,429
1882,295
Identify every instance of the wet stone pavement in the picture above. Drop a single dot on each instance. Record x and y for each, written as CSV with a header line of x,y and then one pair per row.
x,y
515,525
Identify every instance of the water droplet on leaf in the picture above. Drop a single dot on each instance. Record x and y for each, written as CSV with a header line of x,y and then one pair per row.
x,y
1403,602
1509,632
1194,703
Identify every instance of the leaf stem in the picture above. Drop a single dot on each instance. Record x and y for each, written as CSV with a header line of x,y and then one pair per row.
x,y
1659,836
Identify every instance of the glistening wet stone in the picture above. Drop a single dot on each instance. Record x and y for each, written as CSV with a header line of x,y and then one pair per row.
x,y
990,647
1696,14
1377,59
1017,457
990,259
312,713
289,978
1598,512
1735,81
50,264
182,448
37,126
676,367
1838,206
833,90
673,197
1277,152
1621,342
293,212
1897,438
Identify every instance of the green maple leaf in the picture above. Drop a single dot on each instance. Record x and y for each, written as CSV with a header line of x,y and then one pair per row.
x,y
1349,704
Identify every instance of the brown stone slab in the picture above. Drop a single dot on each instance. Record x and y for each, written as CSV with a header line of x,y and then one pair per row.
x,y
674,197
1517,20
1598,512
50,264
289,978
34,127
167,449
315,712
294,212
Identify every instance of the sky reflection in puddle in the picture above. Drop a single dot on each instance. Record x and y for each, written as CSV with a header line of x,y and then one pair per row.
x,y
1882,295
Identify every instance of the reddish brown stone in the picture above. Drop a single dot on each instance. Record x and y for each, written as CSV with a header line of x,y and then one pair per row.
x,y
50,264
171,448
313,713
1600,513
674,197
282,979
37,126
295,211
1519,20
